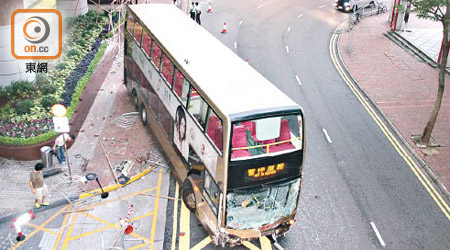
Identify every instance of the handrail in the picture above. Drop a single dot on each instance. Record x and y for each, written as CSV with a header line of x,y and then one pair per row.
x,y
267,145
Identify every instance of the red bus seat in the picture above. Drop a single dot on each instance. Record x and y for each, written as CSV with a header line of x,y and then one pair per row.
x,y
239,140
285,135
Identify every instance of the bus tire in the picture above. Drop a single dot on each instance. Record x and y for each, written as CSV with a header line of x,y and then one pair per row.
x,y
135,99
143,113
188,196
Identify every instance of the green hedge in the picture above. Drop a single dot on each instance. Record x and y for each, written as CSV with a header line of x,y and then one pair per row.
x,y
71,109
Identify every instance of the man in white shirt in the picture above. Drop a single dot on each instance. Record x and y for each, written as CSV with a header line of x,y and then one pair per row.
x,y
59,147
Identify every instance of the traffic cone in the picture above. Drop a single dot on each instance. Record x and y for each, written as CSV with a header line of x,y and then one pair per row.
x,y
209,8
248,61
224,30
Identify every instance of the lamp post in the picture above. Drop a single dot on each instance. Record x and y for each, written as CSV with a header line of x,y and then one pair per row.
x,y
61,123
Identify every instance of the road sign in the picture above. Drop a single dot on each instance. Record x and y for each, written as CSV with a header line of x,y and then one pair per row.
x,y
61,124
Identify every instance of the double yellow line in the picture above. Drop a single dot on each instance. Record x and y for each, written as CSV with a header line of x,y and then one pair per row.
x,y
392,139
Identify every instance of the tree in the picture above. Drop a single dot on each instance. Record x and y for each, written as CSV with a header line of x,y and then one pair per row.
x,y
436,10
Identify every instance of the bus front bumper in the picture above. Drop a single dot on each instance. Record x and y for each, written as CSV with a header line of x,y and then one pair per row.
x,y
234,237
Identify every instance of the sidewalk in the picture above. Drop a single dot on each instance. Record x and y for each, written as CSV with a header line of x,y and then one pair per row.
x,y
403,86
86,154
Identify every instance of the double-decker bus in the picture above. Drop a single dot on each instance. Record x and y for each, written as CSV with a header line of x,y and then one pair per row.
x,y
236,142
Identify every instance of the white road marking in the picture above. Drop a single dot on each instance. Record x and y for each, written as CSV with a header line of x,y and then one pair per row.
x,y
259,6
299,15
289,29
298,80
321,6
378,234
326,135
287,49
240,23
235,45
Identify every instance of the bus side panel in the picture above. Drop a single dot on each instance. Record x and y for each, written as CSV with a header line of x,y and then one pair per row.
x,y
194,136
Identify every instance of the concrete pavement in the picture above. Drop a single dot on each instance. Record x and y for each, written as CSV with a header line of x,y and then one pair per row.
x,y
402,84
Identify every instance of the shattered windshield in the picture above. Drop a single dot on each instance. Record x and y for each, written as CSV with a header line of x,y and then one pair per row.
x,y
253,208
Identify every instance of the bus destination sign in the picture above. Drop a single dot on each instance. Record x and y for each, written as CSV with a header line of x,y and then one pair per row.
x,y
265,172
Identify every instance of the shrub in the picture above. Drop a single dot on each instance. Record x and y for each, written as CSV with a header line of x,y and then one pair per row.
x,y
81,42
41,79
61,65
20,89
24,107
48,101
74,52
48,88
2,92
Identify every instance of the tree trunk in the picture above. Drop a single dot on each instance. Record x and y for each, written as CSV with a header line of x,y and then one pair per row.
x,y
425,139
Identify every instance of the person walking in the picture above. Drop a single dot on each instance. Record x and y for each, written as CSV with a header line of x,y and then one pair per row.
x,y
60,145
192,11
38,186
198,12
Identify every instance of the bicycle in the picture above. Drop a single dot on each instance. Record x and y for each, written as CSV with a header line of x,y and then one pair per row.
x,y
381,7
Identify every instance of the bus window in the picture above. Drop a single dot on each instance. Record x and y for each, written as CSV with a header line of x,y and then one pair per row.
x,y
137,32
156,55
211,191
198,107
167,70
265,136
146,43
214,129
280,201
181,87
130,24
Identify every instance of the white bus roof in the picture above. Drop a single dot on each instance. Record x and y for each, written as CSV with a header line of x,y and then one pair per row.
x,y
227,80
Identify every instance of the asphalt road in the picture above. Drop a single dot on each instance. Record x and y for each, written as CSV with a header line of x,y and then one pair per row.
x,y
356,182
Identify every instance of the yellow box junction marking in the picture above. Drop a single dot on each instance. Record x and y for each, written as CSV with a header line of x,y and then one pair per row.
x,y
66,241
202,243
61,229
42,226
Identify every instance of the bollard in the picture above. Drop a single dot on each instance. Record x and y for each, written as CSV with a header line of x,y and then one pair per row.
x,y
104,194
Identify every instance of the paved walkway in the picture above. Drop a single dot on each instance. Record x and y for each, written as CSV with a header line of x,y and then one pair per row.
x,y
401,84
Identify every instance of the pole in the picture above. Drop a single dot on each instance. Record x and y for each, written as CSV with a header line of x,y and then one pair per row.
x,y
67,156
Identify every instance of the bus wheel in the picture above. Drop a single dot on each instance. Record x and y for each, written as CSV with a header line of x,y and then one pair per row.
x,y
135,99
188,195
143,112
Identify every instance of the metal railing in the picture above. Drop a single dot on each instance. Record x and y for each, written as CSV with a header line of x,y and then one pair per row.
x,y
374,8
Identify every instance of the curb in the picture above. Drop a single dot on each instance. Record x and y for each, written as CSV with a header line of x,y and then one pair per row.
x,y
116,186
62,202
419,159
409,47
55,204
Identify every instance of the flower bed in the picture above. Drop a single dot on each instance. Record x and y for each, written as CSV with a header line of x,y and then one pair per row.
x,y
25,118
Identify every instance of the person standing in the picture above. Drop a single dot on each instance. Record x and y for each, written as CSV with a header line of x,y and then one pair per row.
x,y
198,12
38,186
60,145
406,18
192,11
